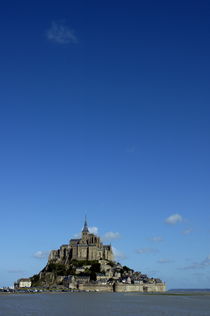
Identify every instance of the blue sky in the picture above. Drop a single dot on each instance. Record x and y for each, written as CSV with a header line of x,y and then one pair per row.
x,y
104,111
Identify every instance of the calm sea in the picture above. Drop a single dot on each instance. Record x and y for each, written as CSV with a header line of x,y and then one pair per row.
x,y
103,304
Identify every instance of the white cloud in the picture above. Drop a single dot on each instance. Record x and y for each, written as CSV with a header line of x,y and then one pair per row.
x,y
93,230
41,254
191,267
206,261
61,33
118,254
157,239
198,265
165,261
187,231
111,236
143,251
174,219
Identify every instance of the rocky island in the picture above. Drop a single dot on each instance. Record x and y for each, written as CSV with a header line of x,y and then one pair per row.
x,y
86,264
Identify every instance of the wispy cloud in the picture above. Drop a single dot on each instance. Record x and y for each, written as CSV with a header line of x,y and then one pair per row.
x,y
199,274
78,235
165,261
61,33
41,254
118,254
111,236
93,230
142,251
174,219
157,239
16,271
153,272
198,265
187,231
131,149
206,261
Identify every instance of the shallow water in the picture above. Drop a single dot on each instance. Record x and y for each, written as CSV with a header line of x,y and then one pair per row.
x,y
103,304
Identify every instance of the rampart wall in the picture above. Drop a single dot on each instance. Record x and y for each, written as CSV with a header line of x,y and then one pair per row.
x,y
96,287
158,287
119,287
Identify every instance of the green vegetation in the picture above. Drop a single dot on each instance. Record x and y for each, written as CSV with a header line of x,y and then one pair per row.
x,y
35,280
57,268
53,270
70,271
126,269
81,263
95,267
93,276
60,269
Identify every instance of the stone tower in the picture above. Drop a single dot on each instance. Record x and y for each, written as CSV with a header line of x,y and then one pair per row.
x,y
85,230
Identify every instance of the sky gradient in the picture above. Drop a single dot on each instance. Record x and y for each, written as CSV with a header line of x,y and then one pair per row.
x,y
105,111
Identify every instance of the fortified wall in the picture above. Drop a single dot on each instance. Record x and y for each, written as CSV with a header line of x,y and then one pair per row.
x,y
119,287
158,287
95,287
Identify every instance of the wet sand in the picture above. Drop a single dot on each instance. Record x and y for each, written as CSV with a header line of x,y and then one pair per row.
x,y
105,304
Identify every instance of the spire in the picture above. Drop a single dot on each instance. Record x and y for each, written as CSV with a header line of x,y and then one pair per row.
x,y
85,228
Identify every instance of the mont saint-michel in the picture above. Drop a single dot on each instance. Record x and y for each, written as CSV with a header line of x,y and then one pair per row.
x,y
86,264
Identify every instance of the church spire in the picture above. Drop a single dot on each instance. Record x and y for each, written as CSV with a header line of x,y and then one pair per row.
x,y
85,228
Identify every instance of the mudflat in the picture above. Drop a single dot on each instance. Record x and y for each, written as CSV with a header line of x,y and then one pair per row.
x,y
105,304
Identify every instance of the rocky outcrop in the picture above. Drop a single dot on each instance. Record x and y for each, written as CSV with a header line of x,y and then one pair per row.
x,y
101,275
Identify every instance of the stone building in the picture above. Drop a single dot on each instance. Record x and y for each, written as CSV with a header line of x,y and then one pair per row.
x,y
89,247
23,283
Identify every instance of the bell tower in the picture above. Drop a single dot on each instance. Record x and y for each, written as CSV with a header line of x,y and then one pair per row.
x,y
85,230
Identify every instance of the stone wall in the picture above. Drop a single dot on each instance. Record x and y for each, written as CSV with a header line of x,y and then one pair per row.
x,y
158,287
119,287
95,287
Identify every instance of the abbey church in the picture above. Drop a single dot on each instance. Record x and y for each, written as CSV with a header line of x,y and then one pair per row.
x,y
88,247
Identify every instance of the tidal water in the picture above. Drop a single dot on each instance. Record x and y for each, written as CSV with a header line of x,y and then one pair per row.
x,y
103,304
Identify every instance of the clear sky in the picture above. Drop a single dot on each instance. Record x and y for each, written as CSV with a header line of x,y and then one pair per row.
x,y
105,110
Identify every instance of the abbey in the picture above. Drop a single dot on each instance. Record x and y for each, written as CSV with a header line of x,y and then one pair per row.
x,y
89,247
85,264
